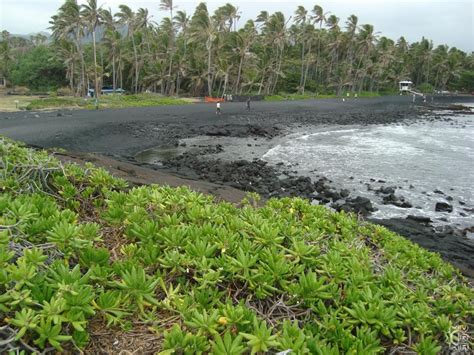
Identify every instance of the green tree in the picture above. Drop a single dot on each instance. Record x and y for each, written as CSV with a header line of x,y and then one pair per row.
x,y
39,70
91,15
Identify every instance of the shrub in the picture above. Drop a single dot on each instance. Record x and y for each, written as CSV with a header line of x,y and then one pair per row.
x,y
64,91
77,245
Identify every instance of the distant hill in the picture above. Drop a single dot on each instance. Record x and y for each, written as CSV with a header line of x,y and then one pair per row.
x,y
29,35
87,39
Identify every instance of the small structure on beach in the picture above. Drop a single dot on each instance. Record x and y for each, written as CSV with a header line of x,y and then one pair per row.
x,y
405,86
3,81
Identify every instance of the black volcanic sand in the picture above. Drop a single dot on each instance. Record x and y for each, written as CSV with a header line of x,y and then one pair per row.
x,y
122,134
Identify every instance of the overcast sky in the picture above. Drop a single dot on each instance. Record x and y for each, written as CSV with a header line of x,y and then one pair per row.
x,y
444,21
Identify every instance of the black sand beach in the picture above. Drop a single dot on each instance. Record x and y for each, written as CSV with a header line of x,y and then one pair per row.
x,y
118,136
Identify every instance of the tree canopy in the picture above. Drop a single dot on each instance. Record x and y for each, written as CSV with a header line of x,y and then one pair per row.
x,y
39,69
208,53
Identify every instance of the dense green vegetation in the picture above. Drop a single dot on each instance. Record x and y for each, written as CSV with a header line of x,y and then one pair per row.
x,y
107,101
78,246
213,54
40,69
307,95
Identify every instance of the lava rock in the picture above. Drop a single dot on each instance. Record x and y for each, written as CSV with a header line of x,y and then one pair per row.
x,y
420,219
386,190
396,201
344,193
359,204
443,207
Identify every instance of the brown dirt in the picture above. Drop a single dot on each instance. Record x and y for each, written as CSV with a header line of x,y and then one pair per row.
x,y
105,340
137,175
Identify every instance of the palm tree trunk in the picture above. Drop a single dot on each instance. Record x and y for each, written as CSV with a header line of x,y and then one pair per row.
x,y
278,69
97,91
169,81
136,62
225,82
301,89
114,79
71,78
306,70
177,82
209,74
237,84
261,84
81,87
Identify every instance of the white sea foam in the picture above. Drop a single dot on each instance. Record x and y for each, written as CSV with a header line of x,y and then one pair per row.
x,y
428,156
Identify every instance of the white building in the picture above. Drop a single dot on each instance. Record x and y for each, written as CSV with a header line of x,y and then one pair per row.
x,y
405,86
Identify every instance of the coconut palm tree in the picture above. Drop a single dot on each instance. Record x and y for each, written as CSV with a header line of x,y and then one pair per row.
x,y
335,42
301,18
5,50
351,28
91,14
68,23
366,42
181,20
167,5
67,52
234,14
112,41
207,54
243,40
128,18
319,18
204,29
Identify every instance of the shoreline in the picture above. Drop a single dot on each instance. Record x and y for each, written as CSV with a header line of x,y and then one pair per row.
x,y
117,136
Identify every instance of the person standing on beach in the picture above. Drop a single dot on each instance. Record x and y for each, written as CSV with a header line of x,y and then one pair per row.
x,y
248,104
218,108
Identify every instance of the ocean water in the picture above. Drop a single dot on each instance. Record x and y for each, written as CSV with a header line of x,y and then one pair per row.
x,y
418,159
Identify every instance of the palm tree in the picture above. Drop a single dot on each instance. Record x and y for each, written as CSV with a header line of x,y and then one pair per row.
x,y
243,41
318,17
182,23
234,15
301,16
91,15
127,17
112,41
69,23
366,40
335,32
351,28
6,53
207,54
275,33
204,29
167,5
67,52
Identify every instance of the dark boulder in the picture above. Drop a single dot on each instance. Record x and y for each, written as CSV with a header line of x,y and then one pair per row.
x,y
420,219
359,204
386,190
344,193
396,201
443,207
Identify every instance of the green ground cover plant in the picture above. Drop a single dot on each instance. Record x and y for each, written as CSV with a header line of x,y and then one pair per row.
x,y
81,250
106,101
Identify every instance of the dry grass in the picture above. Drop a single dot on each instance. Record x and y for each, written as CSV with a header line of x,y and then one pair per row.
x,y
105,340
8,102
